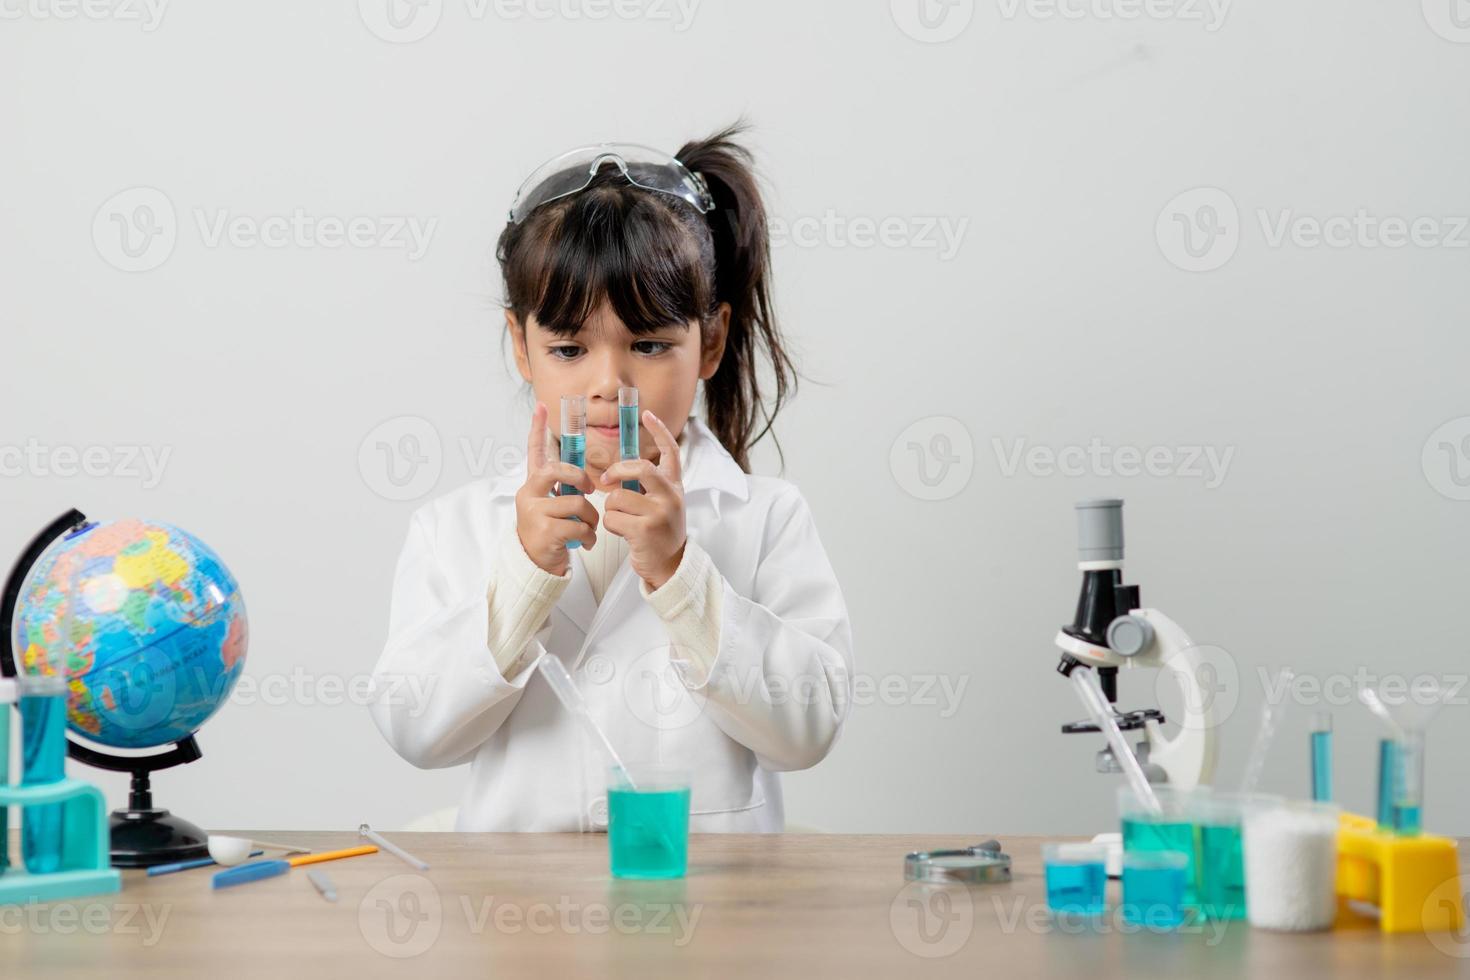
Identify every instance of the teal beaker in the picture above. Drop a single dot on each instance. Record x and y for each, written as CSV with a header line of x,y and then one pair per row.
x,y
1173,828
648,821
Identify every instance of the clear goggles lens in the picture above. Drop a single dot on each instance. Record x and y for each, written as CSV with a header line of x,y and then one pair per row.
x,y
642,166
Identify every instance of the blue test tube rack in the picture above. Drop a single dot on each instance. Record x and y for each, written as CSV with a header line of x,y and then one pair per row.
x,y
86,867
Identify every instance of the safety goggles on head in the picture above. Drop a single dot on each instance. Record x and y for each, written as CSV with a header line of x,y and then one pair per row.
x,y
642,166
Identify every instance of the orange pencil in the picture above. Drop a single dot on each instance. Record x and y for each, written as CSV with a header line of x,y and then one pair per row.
x,y
256,870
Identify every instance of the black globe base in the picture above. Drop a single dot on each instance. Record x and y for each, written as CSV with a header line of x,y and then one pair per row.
x,y
143,838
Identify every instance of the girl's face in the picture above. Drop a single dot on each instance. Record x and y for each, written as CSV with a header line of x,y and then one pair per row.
x,y
603,356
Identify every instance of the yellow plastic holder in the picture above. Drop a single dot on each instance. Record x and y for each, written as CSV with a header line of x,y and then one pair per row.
x,y
1413,881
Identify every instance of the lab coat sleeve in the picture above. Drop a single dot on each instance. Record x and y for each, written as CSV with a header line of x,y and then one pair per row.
x,y
438,691
781,679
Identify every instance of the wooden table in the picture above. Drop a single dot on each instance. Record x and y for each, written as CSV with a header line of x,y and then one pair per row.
x,y
497,905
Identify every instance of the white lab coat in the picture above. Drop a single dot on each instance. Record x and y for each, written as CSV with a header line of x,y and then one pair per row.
x,y
775,699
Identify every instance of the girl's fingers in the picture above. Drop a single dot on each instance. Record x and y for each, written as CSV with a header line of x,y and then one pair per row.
x,y
543,481
622,501
668,448
565,508
654,480
536,441
564,531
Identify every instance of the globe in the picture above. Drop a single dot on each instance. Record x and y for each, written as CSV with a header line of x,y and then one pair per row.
x,y
146,623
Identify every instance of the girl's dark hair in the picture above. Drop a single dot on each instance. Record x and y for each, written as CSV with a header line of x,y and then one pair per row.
x,y
658,261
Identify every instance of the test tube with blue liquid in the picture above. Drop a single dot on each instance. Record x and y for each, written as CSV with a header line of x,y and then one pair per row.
x,y
573,444
1322,757
1388,766
43,754
628,431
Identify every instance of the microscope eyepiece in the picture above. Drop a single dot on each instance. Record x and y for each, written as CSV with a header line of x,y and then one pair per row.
x,y
1100,530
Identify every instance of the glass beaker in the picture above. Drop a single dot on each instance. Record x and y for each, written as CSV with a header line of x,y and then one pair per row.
x,y
648,821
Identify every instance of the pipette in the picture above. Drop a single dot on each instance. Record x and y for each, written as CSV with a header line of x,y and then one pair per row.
x,y
1090,691
384,843
1271,713
566,692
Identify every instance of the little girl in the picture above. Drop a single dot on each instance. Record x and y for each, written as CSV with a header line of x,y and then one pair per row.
x,y
695,609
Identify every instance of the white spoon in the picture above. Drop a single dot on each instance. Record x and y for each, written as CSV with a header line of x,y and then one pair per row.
x,y
230,851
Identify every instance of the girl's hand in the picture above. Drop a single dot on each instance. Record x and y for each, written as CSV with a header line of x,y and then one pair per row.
x,y
652,522
543,522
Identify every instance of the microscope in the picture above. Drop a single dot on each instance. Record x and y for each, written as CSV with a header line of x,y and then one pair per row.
x,y
1112,632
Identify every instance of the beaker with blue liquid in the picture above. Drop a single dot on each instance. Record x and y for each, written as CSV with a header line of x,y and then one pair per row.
x,y
1076,877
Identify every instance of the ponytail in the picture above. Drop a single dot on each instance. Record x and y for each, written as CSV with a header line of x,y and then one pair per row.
x,y
733,398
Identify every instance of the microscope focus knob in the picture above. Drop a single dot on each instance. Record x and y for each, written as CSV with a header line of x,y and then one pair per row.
x,y
1130,635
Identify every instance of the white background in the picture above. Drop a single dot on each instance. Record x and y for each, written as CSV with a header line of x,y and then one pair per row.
x,y
1334,542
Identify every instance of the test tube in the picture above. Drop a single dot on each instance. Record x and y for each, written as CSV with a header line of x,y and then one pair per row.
x,y
8,695
573,444
1322,757
1388,755
43,755
1408,796
628,431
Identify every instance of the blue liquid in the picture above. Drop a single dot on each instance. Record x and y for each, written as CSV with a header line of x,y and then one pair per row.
x,y
1406,820
1149,835
628,439
43,748
1076,887
1221,884
1153,896
648,833
4,781
574,451
1322,767
1388,755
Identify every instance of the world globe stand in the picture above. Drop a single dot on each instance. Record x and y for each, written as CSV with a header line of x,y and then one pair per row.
x,y
142,835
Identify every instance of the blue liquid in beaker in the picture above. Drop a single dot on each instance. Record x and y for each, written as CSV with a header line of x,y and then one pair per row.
x,y
1076,886
1154,896
1164,834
